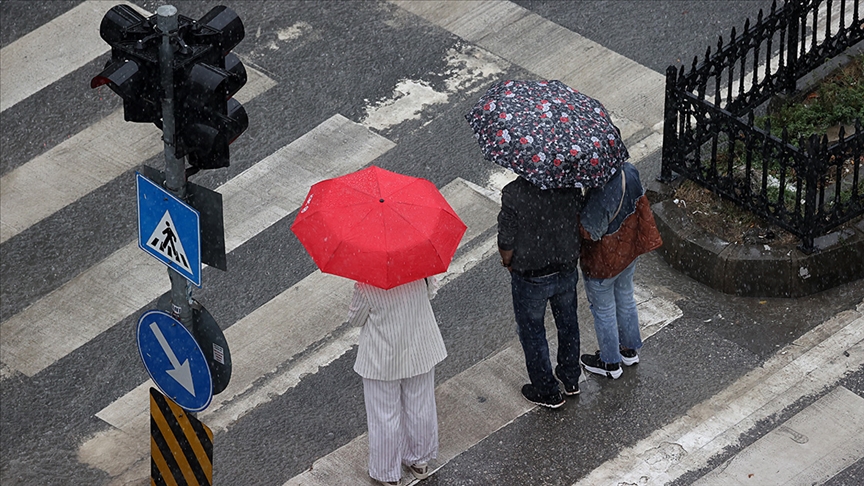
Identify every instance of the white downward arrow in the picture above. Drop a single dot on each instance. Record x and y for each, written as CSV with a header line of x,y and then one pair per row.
x,y
181,373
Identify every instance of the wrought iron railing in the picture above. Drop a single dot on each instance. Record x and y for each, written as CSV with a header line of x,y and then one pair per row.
x,y
710,137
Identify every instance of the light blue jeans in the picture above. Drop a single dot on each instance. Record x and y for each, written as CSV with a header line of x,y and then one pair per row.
x,y
616,321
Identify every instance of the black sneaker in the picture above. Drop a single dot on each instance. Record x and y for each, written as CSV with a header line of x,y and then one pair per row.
x,y
531,394
594,364
570,389
629,357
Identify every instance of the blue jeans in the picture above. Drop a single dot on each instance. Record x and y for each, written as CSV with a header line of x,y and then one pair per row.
x,y
616,321
530,295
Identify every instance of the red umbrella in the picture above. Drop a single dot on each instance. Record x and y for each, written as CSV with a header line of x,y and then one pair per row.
x,y
378,227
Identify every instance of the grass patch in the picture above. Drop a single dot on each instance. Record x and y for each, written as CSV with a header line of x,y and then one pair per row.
x,y
836,100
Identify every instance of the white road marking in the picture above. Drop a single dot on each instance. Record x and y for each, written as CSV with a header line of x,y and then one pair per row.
x,y
128,279
807,366
85,162
468,69
810,448
37,59
629,90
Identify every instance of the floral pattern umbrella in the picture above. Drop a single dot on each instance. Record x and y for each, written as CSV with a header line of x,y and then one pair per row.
x,y
548,133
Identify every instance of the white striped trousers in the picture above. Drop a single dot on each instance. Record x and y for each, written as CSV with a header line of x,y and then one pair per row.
x,y
403,423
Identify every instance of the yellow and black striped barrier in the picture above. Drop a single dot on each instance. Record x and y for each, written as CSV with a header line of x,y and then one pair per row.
x,y
181,447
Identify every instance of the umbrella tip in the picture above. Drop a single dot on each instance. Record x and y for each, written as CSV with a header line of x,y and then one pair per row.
x,y
380,200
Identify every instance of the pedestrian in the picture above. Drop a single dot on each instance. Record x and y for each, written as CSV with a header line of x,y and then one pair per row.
x,y
538,239
616,226
400,344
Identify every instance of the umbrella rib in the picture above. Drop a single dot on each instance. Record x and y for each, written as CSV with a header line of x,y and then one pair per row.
x,y
412,227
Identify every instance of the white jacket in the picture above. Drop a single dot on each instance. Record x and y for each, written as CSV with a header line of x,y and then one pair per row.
x,y
400,336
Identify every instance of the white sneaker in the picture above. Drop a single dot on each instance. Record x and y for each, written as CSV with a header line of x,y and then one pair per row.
x,y
629,357
420,470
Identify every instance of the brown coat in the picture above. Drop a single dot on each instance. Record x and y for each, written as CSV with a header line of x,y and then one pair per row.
x,y
614,252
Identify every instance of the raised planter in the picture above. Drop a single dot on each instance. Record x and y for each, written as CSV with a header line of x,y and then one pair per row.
x,y
758,270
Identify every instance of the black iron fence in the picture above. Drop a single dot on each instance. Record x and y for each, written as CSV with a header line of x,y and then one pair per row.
x,y
709,132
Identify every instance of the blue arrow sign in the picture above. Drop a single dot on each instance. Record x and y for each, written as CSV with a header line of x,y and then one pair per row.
x,y
174,360
169,229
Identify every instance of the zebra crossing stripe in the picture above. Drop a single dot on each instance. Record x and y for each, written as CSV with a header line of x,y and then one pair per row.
x,y
810,448
125,281
633,93
85,162
181,447
805,367
37,59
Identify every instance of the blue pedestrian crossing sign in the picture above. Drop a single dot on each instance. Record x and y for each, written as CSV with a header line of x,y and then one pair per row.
x,y
169,229
174,360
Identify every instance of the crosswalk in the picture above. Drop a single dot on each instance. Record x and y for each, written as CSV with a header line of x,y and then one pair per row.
x,y
296,332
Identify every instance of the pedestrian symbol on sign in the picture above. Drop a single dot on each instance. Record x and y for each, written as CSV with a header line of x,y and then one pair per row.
x,y
168,229
165,241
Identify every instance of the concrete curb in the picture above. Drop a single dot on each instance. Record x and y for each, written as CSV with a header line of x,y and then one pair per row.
x,y
758,270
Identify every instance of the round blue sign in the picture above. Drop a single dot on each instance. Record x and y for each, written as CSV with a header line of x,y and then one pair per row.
x,y
174,360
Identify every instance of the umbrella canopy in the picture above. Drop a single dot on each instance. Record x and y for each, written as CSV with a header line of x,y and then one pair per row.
x,y
378,227
548,133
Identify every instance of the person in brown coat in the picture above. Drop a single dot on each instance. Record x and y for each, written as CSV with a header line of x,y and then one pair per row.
x,y
616,227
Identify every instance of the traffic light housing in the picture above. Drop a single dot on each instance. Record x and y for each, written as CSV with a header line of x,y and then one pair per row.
x,y
133,70
208,118
206,76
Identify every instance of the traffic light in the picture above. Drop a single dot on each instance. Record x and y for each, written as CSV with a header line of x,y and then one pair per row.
x,y
133,71
208,118
206,76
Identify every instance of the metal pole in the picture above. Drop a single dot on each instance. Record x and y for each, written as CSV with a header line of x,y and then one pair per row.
x,y
175,169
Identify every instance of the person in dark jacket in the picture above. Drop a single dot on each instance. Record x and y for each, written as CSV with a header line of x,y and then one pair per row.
x,y
617,226
538,239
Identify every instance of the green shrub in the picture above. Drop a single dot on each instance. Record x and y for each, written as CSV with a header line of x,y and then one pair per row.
x,y
839,99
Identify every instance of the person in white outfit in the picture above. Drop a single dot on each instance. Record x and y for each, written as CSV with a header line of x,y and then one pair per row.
x,y
400,344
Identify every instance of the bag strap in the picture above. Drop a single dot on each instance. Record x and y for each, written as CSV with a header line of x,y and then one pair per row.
x,y
623,193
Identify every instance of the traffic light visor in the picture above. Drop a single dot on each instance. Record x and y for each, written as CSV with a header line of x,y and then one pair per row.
x,y
118,75
229,25
119,22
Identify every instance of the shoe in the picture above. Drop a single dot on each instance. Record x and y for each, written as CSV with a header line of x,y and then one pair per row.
x,y
420,470
392,483
629,357
531,394
570,389
594,364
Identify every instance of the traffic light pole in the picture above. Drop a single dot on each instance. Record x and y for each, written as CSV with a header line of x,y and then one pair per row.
x,y
175,169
